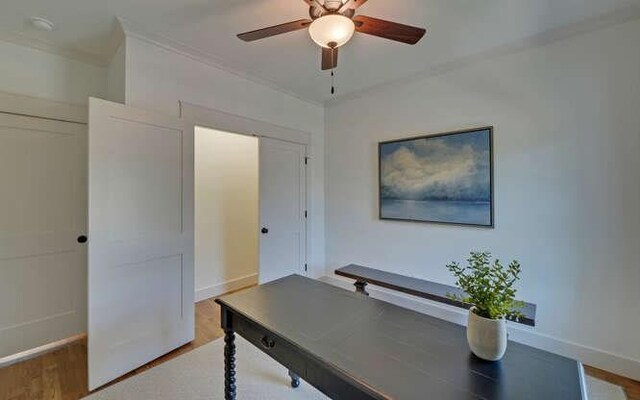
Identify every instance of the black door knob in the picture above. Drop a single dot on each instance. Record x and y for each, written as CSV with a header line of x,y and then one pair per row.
x,y
264,231
82,239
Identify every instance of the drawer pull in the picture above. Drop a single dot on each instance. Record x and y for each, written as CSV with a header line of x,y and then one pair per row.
x,y
267,343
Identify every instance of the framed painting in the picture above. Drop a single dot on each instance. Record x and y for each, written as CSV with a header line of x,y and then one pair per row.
x,y
445,178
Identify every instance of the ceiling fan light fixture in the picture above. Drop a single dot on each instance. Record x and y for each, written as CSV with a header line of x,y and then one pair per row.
x,y
332,31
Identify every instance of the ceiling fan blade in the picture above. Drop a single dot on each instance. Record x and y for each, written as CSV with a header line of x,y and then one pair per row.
x,y
329,58
351,4
388,30
274,30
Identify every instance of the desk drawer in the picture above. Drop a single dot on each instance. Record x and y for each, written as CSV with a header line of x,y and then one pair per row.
x,y
276,348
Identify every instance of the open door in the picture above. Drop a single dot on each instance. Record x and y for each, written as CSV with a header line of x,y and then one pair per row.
x,y
140,229
282,209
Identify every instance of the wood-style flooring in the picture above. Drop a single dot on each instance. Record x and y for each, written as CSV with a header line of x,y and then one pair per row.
x,y
62,373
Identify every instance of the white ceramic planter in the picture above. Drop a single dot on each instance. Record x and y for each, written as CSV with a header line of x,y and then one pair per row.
x,y
487,337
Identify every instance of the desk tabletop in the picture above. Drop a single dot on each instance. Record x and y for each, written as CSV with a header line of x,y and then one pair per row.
x,y
399,353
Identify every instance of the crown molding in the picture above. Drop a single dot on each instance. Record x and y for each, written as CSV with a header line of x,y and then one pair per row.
x,y
86,57
123,28
99,60
205,58
618,16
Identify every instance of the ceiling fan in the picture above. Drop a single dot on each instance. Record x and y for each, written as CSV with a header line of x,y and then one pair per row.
x,y
333,23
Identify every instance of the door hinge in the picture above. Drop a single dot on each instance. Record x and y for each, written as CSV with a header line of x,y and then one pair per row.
x,y
305,268
306,160
306,214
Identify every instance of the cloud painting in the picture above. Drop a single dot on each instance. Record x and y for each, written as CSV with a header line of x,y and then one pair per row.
x,y
441,178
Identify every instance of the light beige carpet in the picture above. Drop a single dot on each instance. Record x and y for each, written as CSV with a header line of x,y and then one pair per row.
x,y
199,375
601,390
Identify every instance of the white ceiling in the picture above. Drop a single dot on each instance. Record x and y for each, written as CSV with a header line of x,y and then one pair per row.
x,y
456,30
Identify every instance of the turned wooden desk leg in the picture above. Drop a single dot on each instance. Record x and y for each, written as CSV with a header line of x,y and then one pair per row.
x,y
361,287
295,379
229,365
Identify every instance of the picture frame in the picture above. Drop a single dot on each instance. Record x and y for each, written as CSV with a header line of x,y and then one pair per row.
x,y
445,178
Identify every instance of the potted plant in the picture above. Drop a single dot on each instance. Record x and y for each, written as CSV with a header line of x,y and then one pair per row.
x,y
488,288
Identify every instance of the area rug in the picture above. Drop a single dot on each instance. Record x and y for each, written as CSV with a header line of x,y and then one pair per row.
x,y
199,375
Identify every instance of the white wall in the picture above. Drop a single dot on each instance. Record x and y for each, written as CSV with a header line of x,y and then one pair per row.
x,y
117,75
567,184
36,73
158,78
226,212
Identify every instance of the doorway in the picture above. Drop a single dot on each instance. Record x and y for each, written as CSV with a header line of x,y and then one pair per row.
x,y
250,210
226,211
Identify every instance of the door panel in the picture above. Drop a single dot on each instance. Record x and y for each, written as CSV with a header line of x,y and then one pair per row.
x,y
282,209
140,238
153,157
42,211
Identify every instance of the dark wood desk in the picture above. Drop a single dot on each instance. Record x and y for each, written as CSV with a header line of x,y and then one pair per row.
x,y
354,347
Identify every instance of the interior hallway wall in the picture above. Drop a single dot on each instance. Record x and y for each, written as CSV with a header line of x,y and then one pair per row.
x,y
226,212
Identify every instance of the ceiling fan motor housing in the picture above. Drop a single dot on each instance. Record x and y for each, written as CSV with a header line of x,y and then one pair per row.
x,y
330,7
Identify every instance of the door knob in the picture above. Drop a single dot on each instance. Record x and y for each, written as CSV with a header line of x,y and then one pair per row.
x,y
264,231
82,239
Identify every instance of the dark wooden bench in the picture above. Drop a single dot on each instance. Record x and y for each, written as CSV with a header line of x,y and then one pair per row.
x,y
417,287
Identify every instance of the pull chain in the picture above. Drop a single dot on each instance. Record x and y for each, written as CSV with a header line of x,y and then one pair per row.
x,y
333,80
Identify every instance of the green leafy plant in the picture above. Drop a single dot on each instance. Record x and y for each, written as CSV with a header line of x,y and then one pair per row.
x,y
488,286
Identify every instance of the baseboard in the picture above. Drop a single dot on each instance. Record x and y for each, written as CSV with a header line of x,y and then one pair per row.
x,y
601,359
225,287
40,350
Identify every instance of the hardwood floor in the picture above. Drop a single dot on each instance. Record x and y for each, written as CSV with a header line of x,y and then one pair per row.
x,y
62,373
631,387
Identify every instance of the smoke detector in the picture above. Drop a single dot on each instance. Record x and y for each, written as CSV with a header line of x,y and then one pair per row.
x,y
41,24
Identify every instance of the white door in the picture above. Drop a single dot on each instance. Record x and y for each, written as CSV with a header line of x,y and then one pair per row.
x,y
140,238
42,212
282,209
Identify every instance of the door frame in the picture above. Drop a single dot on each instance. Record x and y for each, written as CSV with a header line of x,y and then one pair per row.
x,y
196,115
29,106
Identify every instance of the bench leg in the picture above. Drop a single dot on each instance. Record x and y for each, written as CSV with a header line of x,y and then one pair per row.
x,y
229,365
295,379
361,287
